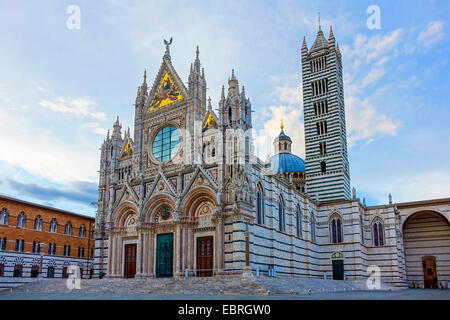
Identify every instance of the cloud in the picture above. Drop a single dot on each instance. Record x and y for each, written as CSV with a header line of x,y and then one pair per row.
x,y
82,106
411,187
373,76
41,152
364,122
96,128
377,49
432,34
293,127
79,191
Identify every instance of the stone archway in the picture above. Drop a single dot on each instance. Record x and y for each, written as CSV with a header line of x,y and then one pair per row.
x,y
426,238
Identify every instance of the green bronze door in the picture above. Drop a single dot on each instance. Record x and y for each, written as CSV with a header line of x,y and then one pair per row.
x,y
338,269
164,255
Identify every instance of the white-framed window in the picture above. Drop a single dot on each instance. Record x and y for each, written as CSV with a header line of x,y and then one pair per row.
x,y
4,216
68,228
53,225
38,223
21,220
82,232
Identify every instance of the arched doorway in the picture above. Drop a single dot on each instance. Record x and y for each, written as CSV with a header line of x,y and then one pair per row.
x,y
426,238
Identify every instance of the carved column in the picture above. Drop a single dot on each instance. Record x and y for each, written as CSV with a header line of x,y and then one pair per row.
x,y
139,253
151,253
177,244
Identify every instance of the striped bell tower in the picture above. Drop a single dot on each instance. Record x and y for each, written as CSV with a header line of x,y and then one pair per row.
x,y
327,167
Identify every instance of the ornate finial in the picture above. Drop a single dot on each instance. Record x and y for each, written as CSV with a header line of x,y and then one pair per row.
x,y
209,103
168,43
281,125
319,18
145,75
196,53
223,92
390,198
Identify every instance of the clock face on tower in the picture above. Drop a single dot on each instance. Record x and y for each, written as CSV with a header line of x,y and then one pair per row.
x,y
166,93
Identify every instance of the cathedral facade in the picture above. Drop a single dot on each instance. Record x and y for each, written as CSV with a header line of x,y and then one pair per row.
x,y
187,196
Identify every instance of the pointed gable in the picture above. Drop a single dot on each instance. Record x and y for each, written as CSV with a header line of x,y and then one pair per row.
x,y
167,88
128,146
210,121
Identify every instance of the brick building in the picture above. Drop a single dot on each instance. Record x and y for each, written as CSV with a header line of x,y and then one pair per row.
x,y
41,241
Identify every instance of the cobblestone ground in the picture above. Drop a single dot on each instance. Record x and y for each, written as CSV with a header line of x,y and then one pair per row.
x,y
407,294
226,287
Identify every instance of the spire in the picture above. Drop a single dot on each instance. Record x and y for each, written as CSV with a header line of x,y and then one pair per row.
x,y
319,20
331,39
243,92
232,75
143,90
233,84
209,103
222,96
197,61
320,42
116,132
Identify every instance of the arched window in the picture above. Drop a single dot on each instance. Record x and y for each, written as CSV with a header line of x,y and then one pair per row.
x,y
3,244
313,228
53,225
80,252
36,247
4,215
52,248
281,218
21,220
82,232
68,229
66,251
336,229
260,205
20,244
38,223
50,272
378,232
299,222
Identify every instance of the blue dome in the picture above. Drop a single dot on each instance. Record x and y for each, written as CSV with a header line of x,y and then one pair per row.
x,y
287,162
283,136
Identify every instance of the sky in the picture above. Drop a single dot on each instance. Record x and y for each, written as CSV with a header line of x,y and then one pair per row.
x,y
62,87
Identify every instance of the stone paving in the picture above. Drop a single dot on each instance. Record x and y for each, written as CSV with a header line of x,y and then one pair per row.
x,y
220,285
406,294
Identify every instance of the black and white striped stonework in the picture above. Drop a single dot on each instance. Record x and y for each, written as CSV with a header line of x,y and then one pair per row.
x,y
327,167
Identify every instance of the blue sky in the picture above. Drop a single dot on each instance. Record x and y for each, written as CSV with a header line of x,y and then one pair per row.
x,y
61,89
